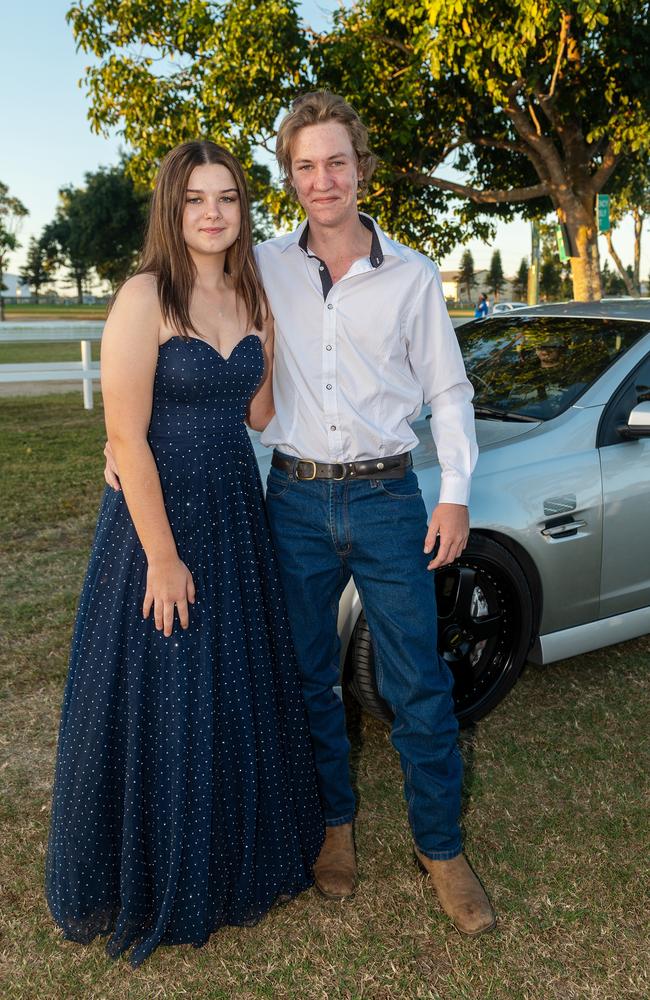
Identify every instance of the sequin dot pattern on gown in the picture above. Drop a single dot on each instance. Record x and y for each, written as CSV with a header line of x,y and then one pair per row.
x,y
185,794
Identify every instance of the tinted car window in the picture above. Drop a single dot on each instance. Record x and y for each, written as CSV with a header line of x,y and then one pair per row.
x,y
635,389
538,366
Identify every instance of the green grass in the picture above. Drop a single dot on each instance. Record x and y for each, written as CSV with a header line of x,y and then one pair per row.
x,y
556,793
42,310
35,352
32,310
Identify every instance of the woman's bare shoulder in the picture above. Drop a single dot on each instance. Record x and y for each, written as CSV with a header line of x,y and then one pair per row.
x,y
137,299
135,309
139,288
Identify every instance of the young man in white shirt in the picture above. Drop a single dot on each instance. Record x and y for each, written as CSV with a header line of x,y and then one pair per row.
x,y
362,338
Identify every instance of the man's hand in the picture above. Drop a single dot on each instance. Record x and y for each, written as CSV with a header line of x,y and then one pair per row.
x,y
110,469
450,521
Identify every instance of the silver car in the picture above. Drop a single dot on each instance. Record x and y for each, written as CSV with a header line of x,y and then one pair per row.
x,y
558,561
505,307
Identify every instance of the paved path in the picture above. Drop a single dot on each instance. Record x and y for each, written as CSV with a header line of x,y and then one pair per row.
x,y
39,388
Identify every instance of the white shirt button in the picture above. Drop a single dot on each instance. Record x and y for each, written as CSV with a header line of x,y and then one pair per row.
x,y
329,305
329,347
333,427
328,386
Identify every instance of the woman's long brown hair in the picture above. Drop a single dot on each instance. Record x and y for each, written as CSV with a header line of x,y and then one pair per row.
x,y
165,253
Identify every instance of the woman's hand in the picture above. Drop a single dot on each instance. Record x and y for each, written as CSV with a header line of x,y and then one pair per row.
x,y
111,474
169,585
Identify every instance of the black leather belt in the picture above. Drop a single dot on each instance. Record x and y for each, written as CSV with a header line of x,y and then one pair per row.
x,y
305,469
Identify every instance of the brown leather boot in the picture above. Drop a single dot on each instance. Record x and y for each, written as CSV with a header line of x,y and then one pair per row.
x,y
335,871
461,895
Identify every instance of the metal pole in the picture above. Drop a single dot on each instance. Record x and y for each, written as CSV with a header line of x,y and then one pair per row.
x,y
86,360
533,270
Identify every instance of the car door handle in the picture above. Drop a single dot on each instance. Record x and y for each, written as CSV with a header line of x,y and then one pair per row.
x,y
563,530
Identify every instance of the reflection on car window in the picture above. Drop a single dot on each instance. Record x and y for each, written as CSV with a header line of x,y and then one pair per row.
x,y
539,366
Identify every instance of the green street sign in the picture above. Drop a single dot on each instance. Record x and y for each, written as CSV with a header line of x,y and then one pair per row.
x,y
562,242
602,213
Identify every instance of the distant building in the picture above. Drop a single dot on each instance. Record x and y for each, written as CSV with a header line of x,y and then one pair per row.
x,y
450,285
15,288
456,293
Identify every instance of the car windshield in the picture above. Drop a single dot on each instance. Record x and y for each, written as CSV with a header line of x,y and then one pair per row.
x,y
535,367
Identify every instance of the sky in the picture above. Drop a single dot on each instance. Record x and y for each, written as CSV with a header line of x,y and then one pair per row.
x,y
46,141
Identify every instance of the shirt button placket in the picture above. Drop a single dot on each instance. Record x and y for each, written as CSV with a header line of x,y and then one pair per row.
x,y
329,380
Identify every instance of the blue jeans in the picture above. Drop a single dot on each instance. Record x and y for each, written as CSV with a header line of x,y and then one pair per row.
x,y
373,530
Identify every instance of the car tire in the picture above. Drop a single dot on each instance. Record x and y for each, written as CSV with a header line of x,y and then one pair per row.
x,y
485,629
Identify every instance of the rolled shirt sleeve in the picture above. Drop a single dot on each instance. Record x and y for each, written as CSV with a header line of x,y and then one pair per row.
x,y
437,363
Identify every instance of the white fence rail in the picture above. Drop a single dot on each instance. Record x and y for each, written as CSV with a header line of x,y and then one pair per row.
x,y
86,370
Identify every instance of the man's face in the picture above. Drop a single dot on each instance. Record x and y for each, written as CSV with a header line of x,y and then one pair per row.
x,y
324,173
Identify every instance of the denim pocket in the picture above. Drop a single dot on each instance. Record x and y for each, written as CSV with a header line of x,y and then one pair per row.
x,y
277,483
401,489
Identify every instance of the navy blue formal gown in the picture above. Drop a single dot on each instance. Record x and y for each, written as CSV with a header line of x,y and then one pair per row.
x,y
185,795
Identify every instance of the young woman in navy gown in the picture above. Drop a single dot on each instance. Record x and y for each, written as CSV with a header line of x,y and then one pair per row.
x,y
185,795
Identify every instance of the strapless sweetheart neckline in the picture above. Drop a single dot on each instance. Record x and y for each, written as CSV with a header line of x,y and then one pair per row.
x,y
199,340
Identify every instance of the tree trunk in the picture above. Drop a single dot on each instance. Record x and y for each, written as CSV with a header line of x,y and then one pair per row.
x,y
638,228
80,291
619,266
585,266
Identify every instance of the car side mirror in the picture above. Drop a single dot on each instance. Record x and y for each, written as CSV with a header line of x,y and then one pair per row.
x,y
638,422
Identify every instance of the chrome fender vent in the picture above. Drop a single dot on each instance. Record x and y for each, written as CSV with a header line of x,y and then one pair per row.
x,y
560,505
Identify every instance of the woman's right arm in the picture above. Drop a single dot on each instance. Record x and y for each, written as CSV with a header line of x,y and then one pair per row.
x,y
128,364
260,408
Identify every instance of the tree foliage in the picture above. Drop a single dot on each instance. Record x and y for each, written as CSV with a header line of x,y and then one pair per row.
x,y
227,72
39,265
112,211
521,280
554,276
540,104
174,70
632,199
466,276
12,212
536,102
613,282
495,276
98,226
550,280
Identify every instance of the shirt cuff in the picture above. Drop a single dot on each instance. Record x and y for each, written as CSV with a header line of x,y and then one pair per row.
x,y
455,489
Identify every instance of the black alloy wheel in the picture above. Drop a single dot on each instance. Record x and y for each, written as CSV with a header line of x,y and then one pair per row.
x,y
485,624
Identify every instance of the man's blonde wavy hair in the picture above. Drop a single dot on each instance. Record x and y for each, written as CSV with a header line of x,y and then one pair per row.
x,y
314,109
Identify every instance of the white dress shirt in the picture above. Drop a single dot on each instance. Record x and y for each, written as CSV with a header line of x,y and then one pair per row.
x,y
355,361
